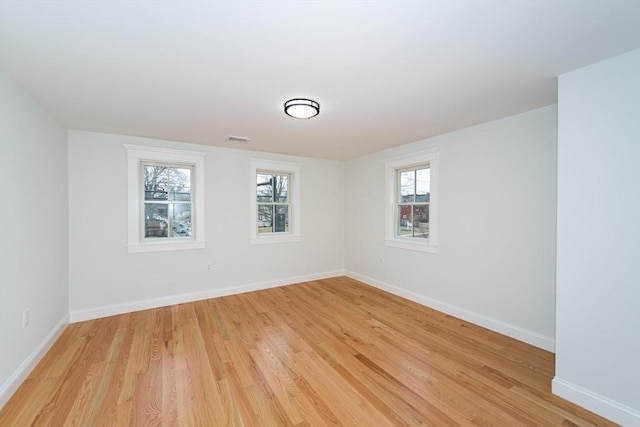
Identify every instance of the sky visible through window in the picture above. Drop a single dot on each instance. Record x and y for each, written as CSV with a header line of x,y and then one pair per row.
x,y
415,183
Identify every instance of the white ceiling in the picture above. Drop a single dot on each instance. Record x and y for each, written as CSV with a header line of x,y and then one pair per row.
x,y
384,73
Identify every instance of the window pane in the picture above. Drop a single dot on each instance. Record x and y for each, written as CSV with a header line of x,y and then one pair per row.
x,y
405,221
179,184
181,220
413,221
156,220
281,188
167,183
265,218
155,182
407,186
423,185
264,188
421,221
281,222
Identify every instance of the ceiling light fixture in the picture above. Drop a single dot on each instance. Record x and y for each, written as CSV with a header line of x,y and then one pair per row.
x,y
301,108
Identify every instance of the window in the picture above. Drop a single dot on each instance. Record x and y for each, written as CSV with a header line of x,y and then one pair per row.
x,y
165,198
275,202
272,191
412,202
411,194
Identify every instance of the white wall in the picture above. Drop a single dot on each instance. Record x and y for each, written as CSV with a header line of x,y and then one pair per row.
x,y
598,281
106,279
33,233
496,262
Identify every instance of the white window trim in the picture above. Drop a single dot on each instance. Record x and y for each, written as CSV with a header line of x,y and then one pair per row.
x,y
431,157
294,234
136,154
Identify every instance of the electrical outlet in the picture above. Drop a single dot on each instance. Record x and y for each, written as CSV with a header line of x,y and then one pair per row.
x,y
25,319
209,266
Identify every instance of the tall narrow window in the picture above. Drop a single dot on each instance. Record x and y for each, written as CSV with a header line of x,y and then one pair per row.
x,y
272,192
412,201
275,201
412,204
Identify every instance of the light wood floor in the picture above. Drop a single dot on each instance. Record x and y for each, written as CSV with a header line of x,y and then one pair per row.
x,y
328,352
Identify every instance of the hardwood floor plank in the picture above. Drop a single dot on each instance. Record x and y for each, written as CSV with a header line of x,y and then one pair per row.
x,y
343,399
81,402
107,409
169,398
327,352
100,383
197,389
89,352
45,379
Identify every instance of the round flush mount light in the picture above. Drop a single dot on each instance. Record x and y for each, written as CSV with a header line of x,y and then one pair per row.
x,y
301,108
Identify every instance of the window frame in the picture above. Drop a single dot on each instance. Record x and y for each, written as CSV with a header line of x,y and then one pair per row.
x,y
406,162
273,203
145,201
137,156
293,170
398,196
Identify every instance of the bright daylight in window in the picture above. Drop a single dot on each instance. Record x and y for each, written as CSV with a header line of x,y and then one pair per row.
x,y
412,205
412,198
275,201
166,199
272,191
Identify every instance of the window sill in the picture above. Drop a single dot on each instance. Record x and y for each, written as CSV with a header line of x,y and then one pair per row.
x,y
267,240
411,246
164,246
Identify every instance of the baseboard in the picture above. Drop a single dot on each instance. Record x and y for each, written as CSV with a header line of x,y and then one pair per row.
x,y
516,332
128,307
17,378
594,402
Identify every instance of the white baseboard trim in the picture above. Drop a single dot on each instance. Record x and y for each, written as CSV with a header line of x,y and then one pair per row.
x,y
603,406
128,307
17,378
516,332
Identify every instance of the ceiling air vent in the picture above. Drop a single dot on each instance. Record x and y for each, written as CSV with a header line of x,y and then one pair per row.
x,y
237,139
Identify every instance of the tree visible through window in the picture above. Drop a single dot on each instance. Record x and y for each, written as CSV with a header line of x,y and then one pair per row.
x,y
167,201
272,192
275,201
